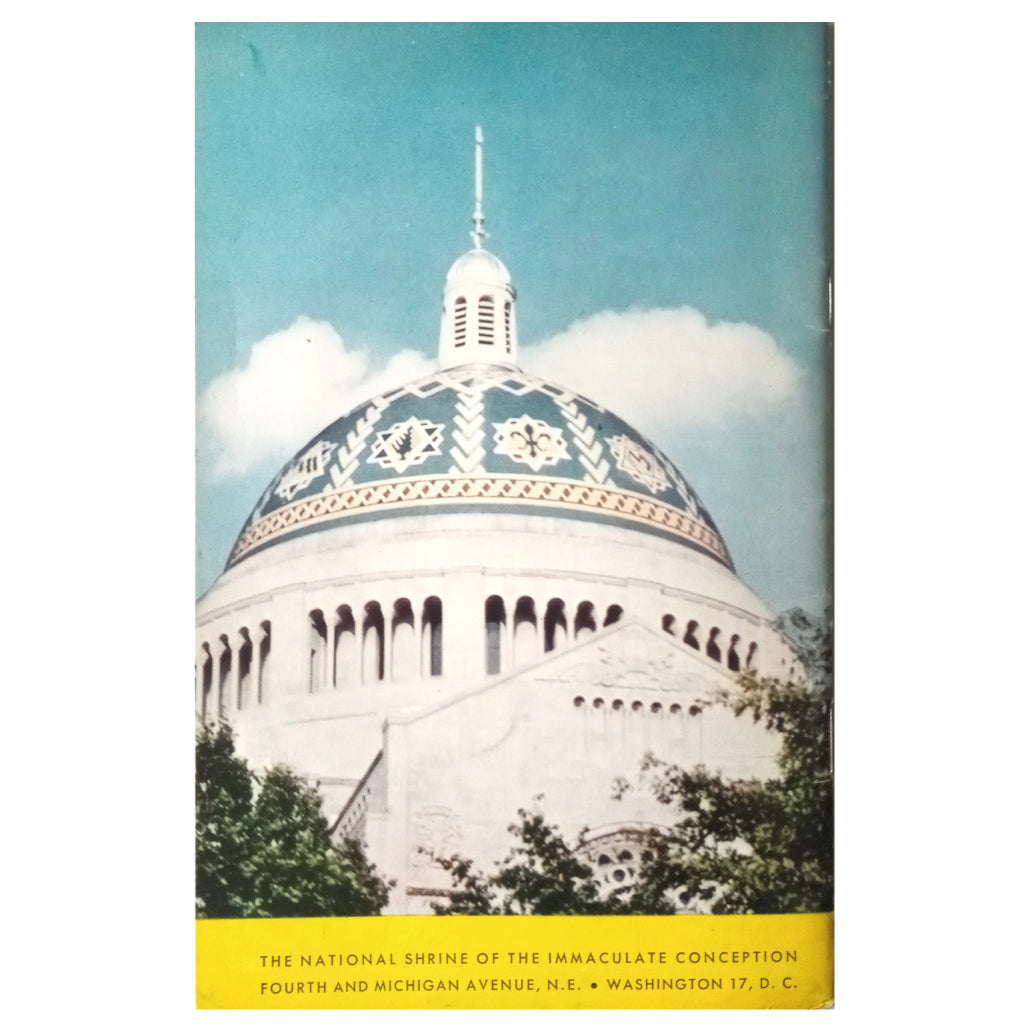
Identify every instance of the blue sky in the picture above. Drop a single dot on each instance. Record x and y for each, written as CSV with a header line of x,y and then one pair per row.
x,y
635,177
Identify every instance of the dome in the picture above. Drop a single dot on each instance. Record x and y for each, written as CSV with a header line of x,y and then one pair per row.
x,y
478,266
480,438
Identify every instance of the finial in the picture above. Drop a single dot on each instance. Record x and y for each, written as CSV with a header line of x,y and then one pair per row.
x,y
478,234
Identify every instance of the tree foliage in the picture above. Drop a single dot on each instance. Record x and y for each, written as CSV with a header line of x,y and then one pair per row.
x,y
262,844
747,845
540,875
224,792
737,845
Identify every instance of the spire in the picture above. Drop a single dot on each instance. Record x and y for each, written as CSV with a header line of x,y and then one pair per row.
x,y
478,320
478,234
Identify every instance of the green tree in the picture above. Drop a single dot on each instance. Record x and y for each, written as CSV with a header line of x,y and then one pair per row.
x,y
747,845
224,792
540,875
263,848
738,845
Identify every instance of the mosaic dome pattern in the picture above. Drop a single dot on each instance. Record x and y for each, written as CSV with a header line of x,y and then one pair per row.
x,y
480,438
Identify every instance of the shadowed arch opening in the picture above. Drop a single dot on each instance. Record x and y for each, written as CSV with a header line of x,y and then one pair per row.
x,y
714,652
403,641
494,627
732,658
223,675
584,622
751,662
524,631
263,672
432,636
317,650
373,643
556,632
345,648
207,682
245,669
691,639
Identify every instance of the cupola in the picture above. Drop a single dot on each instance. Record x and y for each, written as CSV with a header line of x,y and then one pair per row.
x,y
478,320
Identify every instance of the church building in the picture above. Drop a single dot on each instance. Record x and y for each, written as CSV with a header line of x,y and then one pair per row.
x,y
473,590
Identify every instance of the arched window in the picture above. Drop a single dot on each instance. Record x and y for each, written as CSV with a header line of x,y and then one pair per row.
x,y
524,631
508,327
668,624
713,650
373,643
345,660
690,639
555,630
584,621
485,320
751,662
432,636
317,650
613,615
223,676
460,321
245,670
494,625
733,657
403,642
204,708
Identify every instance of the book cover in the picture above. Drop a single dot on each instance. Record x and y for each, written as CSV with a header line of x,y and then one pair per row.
x,y
513,653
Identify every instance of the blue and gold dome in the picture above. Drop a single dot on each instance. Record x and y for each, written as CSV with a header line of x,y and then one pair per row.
x,y
480,438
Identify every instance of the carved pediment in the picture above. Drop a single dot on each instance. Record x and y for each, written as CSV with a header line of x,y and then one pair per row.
x,y
633,657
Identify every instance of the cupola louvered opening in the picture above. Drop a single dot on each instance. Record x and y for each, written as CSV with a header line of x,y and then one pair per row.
x,y
508,326
460,321
485,315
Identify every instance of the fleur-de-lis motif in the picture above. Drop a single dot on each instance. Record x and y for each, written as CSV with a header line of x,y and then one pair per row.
x,y
533,442
529,439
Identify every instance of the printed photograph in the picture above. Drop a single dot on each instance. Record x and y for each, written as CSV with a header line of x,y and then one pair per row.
x,y
513,469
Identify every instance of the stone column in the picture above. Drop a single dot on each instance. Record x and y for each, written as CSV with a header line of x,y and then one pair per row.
x,y
463,637
387,611
331,622
289,618
201,658
506,636
234,674
222,679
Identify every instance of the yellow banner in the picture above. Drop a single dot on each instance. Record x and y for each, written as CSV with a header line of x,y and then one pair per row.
x,y
696,961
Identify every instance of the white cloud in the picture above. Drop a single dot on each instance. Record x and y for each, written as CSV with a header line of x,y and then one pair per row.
x,y
296,382
663,369
659,369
